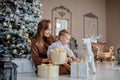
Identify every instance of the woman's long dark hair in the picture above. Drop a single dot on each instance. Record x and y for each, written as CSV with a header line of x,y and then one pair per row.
x,y
39,36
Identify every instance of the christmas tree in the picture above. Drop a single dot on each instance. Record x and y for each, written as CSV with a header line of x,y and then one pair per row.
x,y
18,23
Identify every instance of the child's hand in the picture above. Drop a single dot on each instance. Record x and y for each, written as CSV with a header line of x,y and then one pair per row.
x,y
75,59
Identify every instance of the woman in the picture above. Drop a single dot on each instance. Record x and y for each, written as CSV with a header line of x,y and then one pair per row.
x,y
40,43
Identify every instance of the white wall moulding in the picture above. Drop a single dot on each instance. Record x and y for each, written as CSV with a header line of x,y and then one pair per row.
x,y
90,24
61,19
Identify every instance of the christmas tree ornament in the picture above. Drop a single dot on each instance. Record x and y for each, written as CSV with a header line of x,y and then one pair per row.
x,y
23,51
40,16
22,27
17,11
24,56
28,41
24,3
5,24
15,2
8,36
24,30
11,15
8,42
13,44
9,26
26,35
34,3
35,27
20,34
15,51
20,31
34,11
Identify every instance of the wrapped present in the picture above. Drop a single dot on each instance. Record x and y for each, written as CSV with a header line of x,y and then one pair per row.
x,y
48,71
79,69
58,55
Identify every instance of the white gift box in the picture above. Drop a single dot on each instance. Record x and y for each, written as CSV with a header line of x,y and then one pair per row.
x,y
48,71
24,65
79,70
58,56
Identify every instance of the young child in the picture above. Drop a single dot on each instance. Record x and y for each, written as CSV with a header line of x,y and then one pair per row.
x,y
63,39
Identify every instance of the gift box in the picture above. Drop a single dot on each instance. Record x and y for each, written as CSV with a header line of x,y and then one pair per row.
x,y
79,70
48,71
58,56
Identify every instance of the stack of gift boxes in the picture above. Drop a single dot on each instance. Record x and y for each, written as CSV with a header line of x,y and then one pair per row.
x,y
78,69
58,57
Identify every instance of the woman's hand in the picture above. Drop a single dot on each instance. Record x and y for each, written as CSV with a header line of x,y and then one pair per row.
x,y
47,60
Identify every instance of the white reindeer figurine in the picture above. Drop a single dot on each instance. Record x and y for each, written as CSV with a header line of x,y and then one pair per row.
x,y
90,56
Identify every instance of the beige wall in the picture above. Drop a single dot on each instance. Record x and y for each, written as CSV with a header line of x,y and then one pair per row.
x,y
113,22
78,9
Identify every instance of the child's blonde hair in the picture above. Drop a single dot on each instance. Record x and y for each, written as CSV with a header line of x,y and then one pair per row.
x,y
63,32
